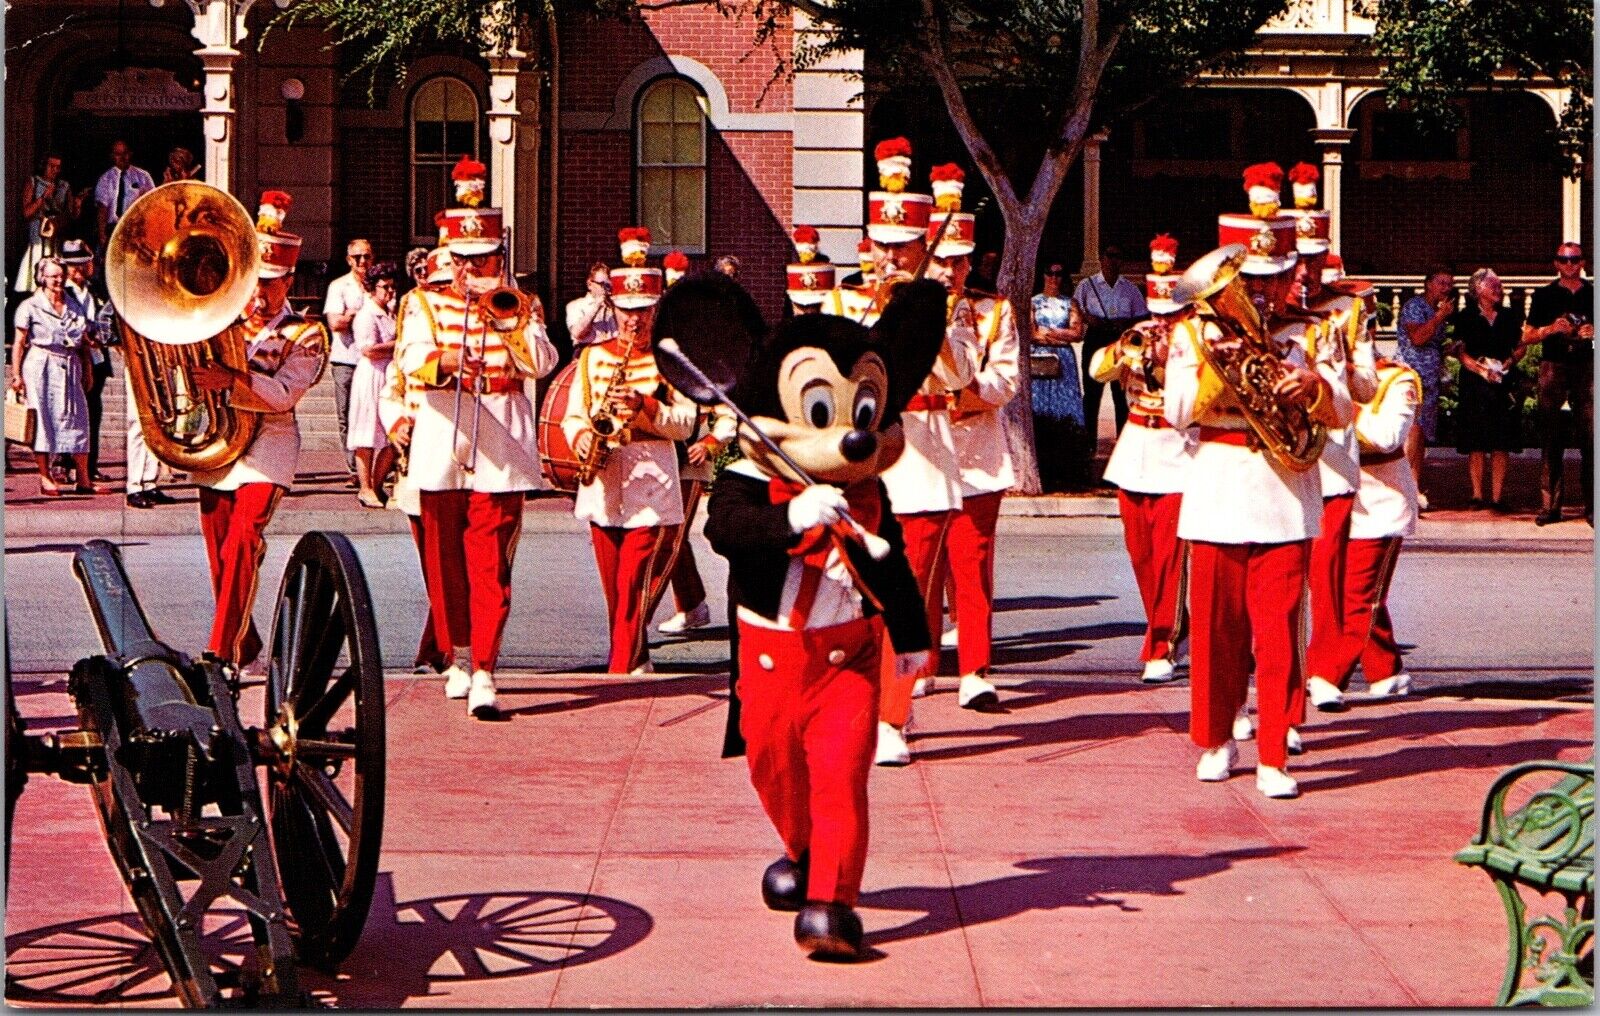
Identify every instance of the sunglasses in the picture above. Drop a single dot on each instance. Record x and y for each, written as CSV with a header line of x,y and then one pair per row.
x,y
1568,259
1054,273
359,257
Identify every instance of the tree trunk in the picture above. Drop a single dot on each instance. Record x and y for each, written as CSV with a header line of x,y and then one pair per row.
x,y
1017,263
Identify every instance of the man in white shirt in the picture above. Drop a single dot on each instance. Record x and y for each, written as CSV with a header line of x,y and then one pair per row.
x,y
1110,305
346,296
590,318
118,188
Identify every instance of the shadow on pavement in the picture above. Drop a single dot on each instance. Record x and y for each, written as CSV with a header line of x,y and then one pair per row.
x,y
1042,646
1052,883
1006,603
608,693
1086,729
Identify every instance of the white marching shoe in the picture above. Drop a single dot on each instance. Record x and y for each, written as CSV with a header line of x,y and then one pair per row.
x,y
1390,687
976,693
950,639
682,621
456,682
892,747
1324,694
481,701
647,667
1293,742
922,687
1157,671
1216,764
1276,783
1243,727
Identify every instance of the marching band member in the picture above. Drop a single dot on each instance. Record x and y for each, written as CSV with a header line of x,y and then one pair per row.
x,y
925,484
1248,518
286,357
473,442
1149,462
982,456
714,430
810,277
1385,513
633,502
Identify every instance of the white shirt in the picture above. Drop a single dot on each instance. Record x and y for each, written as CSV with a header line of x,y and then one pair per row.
x,y
602,329
345,296
1098,299
138,184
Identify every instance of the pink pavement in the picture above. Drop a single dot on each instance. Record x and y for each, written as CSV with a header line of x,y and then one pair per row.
x,y
594,851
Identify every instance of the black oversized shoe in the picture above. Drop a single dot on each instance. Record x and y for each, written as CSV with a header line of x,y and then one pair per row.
x,y
783,885
828,931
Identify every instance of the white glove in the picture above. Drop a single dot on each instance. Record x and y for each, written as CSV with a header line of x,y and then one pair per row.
x,y
817,505
907,664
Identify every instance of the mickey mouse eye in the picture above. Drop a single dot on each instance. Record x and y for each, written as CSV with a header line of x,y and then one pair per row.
x,y
866,411
816,402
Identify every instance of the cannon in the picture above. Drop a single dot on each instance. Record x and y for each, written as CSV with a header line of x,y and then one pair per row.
x,y
173,774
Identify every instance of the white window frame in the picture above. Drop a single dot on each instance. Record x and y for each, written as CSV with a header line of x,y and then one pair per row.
x,y
431,239
639,165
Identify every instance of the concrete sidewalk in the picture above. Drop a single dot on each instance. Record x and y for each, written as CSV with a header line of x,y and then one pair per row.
x,y
594,851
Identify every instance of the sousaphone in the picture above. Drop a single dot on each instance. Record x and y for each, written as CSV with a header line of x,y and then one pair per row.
x,y
181,269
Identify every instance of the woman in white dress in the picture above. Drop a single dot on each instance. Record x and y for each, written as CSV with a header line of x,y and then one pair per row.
x,y
374,333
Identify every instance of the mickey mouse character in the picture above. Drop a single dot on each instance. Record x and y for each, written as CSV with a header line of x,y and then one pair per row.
x,y
821,403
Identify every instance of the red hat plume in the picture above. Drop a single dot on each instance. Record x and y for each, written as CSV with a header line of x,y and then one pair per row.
x,y
639,233
1304,172
891,148
948,171
1263,174
677,260
468,169
1165,244
806,234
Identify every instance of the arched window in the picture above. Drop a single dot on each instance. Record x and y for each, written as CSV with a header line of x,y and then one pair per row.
x,y
671,164
444,127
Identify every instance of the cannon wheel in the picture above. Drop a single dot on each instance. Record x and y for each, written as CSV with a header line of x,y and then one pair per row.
x,y
325,717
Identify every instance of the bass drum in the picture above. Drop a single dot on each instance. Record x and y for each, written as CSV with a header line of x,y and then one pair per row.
x,y
557,461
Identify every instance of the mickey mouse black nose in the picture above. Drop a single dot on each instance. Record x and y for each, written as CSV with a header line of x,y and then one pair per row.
x,y
858,445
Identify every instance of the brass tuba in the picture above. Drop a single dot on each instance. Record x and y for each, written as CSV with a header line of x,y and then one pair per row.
x,y
1287,432
180,269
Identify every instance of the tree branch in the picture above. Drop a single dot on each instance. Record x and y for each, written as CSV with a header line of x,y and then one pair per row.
x,y
994,173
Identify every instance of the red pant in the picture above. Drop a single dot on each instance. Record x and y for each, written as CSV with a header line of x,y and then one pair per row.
x,y
429,651
232,522
925,534
1245,601
969,557
470,540
1327,577
627,559
811,727
1150,529
1367,636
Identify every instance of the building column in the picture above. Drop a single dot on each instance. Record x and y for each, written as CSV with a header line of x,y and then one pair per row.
x,y
504,68
1091,204
828,185
1332,141
1572,206
219,25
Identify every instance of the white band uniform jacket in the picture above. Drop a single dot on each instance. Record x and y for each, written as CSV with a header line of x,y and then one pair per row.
x,y
1234,494
285,357
980,437
1343,340
638,486
1386,503
1145,460
507,455
926,477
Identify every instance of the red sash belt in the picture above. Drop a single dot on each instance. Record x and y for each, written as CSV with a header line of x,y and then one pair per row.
x,y
1224,435
488,385
924,403
1379,458
1145,420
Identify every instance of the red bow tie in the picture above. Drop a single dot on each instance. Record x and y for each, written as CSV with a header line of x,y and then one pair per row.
x,y
866,506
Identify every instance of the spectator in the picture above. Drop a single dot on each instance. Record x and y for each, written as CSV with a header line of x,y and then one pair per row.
x,y
1109,305
118,188
1057,400
590,318
346,296
1488,421
48,368
48,208
373,330
417,266
1420,346
987,274
1561,319
79,262
180,166
728,265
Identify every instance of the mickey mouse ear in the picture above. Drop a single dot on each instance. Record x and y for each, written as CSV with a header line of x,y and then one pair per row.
x,y
910,332
715,326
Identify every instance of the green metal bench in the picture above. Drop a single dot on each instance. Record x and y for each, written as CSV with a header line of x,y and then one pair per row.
x,y
1546,845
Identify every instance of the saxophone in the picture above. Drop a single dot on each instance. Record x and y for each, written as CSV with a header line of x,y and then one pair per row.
x,y
610,422
1286,432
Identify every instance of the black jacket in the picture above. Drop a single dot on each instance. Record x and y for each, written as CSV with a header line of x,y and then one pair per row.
x,y
745,527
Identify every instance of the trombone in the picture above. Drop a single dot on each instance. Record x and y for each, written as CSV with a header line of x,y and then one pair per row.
x,y
507,311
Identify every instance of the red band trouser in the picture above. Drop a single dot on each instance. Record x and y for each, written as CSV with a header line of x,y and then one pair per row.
x,y
429,651
924,534
1245,602
626,559
1367,637
969,556
1150,530
470,541
232,523
1326,579
810,707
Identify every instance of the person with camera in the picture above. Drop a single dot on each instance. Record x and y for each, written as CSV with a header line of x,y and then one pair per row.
x,y
1420,332
1110,305
1560,318
1488,419
48,208
591,320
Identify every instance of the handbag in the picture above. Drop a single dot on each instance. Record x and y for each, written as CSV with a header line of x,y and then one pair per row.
x,y
1044,366
22,420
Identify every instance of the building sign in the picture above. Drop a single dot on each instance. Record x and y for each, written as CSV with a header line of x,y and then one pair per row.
x,y
137,91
